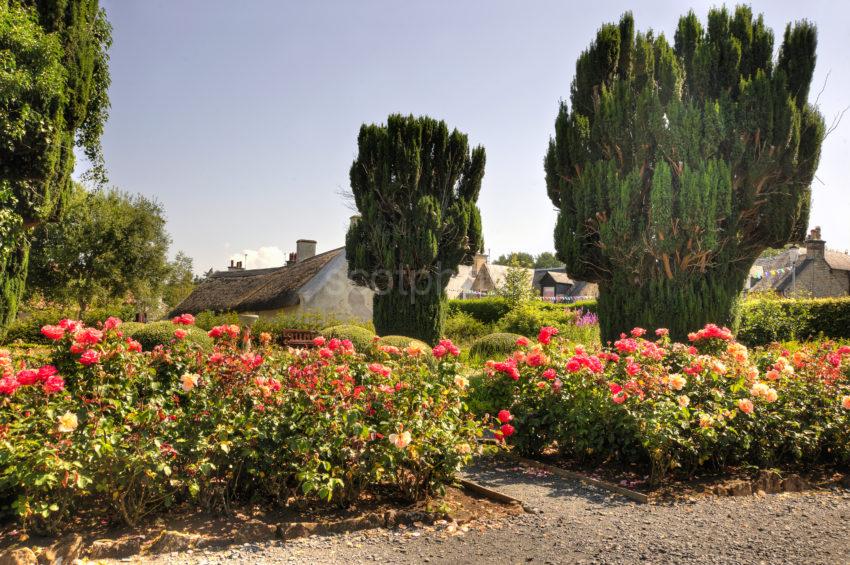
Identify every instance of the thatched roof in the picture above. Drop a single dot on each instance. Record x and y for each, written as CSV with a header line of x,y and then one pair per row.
x,y
254,290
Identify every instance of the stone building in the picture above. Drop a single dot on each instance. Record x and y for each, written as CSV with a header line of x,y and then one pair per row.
x,y
811,271
478,279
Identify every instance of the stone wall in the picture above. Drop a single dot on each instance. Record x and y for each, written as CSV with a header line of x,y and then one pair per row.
x,y
817,280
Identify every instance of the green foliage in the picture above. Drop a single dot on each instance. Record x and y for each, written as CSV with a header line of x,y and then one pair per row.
x,y
547,260
180,280
361,337
208,319
403,342
516,289
767,318
486,310
162,333
674,167
415,185
108,245
27,327
518,258
494,346
460,327
52,98
311,320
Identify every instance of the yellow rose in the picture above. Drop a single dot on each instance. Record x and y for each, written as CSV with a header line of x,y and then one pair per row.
x,y
189,381
68,422
401,440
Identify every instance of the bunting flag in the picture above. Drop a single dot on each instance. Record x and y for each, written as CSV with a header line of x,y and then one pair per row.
x,y
772,273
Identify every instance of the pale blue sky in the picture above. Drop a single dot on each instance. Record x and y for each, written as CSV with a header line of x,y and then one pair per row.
x,y
242,117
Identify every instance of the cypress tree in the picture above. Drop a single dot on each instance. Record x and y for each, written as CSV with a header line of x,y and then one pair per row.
x,y
674,166
53,98
416,185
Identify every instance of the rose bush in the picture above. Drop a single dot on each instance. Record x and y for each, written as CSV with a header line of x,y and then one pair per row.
x,y
711,402
107,424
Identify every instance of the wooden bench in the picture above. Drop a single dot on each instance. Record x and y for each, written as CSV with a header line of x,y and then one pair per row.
x,y
298,338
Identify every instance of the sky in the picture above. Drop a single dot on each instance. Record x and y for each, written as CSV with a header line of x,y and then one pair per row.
x,y
241,118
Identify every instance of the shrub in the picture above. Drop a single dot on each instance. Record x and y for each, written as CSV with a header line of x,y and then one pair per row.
x,y
162,333
359,336
208,319
485,310
528,319
494,345
767,318
675,407
27,327
462,327
311,320
403,342
98,430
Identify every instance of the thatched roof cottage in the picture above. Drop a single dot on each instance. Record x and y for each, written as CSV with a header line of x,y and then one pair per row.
x,y
307,283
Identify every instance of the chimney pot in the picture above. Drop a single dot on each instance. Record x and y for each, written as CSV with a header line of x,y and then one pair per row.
x,y
304,249
815,246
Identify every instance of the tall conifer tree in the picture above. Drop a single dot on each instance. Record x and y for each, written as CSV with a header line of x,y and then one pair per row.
x,y
416,185
674,166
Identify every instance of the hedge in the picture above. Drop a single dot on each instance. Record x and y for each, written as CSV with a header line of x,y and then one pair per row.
x,y
359,336
401,342
767,319
485,310
27,327
158,333
494,346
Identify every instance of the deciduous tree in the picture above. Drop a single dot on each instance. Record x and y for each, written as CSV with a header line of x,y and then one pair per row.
x,y
107,246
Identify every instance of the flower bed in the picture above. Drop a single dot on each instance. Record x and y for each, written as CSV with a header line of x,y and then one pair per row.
x,y
671,406
106,424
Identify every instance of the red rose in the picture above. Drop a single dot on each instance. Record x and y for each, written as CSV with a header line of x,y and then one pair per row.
x,y
54,383
318,341
439,351
111,323
504,416
546,333
507,430
8,385
89,336
522,342
47,371
133,345
183,320
180,334
90,357
549,374
27,377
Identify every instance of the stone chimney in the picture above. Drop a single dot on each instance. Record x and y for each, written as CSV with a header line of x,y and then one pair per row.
x,y
235,266
304,249
815,246
477,262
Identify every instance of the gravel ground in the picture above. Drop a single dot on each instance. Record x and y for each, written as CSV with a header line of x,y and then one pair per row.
x,y
573,523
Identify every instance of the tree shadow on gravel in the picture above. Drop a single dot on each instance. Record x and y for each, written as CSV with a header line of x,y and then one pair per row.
x,y
511,477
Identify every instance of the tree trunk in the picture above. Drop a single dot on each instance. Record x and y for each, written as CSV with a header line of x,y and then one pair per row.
x,y
681,305
13,277
420,316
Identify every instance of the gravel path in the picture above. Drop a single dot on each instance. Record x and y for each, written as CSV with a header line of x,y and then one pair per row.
x,y
573,523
